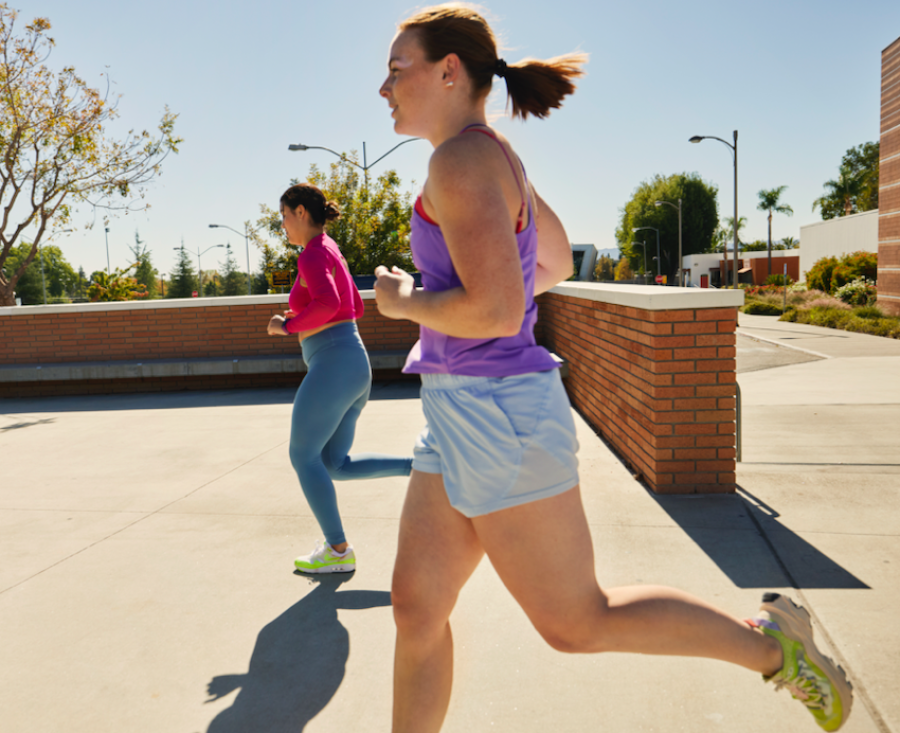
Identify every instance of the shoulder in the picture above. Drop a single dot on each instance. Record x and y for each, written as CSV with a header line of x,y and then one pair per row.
x,y
469,162
461,153
312,255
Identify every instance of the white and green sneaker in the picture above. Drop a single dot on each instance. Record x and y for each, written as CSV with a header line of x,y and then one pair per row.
x,y
324,559
810,676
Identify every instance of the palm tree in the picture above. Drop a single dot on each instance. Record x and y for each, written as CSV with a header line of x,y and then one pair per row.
x,y
790,243
729,228
768,201
845,189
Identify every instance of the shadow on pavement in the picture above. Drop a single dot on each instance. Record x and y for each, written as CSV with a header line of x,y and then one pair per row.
x,y
741,535
297,665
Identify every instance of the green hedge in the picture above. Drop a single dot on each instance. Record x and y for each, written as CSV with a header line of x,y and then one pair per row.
x,y
761,308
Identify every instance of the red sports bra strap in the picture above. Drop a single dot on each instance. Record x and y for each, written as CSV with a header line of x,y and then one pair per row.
x,y
477,128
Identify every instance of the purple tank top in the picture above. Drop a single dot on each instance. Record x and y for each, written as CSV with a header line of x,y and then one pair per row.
x,y
437,353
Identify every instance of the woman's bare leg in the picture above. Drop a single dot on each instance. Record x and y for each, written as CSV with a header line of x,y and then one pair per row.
x,y
573,614
438,551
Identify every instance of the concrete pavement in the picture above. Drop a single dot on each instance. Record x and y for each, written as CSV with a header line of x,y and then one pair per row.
x,y
148,544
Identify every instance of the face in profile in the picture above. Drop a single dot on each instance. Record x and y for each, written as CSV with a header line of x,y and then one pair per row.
x,y
291,222
412,85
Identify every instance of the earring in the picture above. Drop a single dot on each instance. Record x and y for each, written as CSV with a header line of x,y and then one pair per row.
x,y
449,84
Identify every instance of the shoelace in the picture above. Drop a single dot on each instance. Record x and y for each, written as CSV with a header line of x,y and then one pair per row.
x,y
804,687
318,553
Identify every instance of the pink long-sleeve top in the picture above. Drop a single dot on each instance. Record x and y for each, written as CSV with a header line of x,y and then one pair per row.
x,y
324,291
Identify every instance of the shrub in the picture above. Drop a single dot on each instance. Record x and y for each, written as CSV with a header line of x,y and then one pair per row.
x,y
826,302
857,292
868,311
819,275
829,273
778,280
762,308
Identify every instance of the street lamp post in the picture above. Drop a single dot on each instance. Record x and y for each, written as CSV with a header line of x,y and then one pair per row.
x,y
246,236
669,203
106,230
697,139
365,166
658,258
199,266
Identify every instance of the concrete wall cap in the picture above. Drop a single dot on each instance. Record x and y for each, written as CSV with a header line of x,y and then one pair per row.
x,y
652,297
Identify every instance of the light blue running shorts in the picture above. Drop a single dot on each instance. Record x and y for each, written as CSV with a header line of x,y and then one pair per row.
x,y
497,441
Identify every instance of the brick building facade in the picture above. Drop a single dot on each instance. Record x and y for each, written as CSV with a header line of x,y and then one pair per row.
x,y
889,184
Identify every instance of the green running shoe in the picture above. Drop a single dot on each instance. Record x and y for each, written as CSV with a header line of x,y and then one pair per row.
x,y
810,676
324,559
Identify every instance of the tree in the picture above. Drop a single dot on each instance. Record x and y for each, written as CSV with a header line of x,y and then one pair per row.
x,y
865,158
54,149
182,280
729,230
842,192
856,187
233,281
144,272
623,270
604,270
699,219
59,277
771,201
789,243
79,293
374,225
212,288
116,286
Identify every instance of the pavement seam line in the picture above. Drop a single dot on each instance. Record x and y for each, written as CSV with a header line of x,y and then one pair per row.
x,y
858,687
139,520
775,342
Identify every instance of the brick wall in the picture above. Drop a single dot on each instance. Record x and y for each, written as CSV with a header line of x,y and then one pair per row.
x,y
653,371
168,329
889,184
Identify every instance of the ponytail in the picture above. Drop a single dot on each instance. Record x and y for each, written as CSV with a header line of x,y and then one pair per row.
x,y
533,87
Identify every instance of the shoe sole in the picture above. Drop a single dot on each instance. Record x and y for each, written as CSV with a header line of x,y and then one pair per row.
x,y
794,622
328,569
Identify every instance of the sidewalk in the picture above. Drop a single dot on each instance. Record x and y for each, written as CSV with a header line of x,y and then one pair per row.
x,y
148,587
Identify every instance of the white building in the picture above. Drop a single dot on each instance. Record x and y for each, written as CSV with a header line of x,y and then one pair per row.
x,y
836,237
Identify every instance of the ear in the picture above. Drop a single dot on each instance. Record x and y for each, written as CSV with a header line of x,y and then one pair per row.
x,y
450,68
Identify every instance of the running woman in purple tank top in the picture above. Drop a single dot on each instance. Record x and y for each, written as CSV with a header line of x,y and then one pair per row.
x,y
494,472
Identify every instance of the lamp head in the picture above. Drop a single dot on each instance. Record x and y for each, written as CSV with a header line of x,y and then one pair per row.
x,y
657,203
696,139
213,226
298,146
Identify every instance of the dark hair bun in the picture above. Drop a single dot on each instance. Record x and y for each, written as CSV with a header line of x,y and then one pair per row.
x,y
332,211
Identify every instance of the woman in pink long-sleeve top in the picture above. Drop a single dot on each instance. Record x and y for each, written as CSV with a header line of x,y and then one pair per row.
x,y
324,306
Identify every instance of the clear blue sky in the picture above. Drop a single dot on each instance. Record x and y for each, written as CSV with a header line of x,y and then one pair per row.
x,y
800,81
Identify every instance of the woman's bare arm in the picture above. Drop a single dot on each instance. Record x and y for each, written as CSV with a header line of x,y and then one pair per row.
x,y
469,201
554,254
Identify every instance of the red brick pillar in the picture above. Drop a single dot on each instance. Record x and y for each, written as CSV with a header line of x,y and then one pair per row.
x,y
653,371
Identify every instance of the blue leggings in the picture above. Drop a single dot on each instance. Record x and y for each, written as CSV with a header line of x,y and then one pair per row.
x,y
327,405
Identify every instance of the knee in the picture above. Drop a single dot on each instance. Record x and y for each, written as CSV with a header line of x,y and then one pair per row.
x,y
418,610
335,469
576,631
300,457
